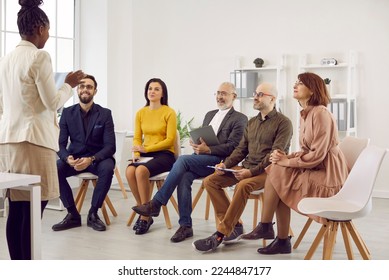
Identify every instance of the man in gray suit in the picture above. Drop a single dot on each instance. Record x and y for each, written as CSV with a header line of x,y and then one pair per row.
x,y
228,125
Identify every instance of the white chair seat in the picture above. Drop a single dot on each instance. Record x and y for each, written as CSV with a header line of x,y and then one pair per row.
x,y
87,176
161,176
331,208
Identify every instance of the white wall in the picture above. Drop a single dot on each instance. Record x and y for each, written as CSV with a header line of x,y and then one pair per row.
x,y
192,45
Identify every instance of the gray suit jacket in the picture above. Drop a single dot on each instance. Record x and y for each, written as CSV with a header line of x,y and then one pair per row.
x,y
230,131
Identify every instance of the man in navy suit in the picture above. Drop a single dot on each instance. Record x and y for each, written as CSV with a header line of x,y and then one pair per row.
x,y
229,126
89,130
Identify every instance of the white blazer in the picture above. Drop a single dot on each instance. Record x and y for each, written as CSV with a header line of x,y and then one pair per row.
x,y
28,97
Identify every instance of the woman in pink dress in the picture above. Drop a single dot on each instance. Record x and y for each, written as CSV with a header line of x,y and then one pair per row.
x,y
319,169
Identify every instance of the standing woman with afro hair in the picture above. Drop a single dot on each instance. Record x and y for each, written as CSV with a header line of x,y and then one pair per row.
x,y
28,120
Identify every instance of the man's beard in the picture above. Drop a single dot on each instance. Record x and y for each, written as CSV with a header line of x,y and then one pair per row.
x,y
85,100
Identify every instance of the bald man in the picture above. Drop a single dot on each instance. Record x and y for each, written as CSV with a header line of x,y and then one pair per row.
x,y
268,131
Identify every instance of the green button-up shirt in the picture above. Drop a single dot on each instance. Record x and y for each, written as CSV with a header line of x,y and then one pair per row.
x,y
260,138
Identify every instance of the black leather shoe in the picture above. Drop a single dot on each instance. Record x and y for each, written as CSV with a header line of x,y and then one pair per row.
x,y
70,221
182,233
262,230
148,209
278,246
144,226
95,222
136,224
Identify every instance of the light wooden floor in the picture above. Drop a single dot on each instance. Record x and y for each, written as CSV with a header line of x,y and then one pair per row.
x,y
119,241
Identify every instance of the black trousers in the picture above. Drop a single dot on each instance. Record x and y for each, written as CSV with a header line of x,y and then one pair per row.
x,y
18,230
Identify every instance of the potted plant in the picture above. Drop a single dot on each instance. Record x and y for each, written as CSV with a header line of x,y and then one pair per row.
x,y
258,62
183,127
327,82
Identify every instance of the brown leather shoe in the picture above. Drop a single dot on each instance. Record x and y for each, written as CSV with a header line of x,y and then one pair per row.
x,y
262,230
148,209
278,246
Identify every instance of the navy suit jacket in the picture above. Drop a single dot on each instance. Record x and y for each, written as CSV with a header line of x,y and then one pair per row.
x,y
99,140
230,131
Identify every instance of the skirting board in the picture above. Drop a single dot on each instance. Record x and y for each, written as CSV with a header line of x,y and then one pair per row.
x,y
381,194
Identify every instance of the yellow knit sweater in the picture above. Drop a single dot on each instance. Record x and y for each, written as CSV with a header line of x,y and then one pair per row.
x,y
155,129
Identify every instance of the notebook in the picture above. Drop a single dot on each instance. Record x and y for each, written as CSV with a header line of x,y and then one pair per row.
x,y
205,132
142,159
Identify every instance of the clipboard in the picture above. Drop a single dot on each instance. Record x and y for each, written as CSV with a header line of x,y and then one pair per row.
x,y
205,132
223,169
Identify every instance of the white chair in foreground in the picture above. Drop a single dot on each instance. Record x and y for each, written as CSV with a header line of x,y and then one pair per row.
x,y
351,202
351,148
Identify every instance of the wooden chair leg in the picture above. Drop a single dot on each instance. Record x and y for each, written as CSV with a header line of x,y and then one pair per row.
x,y
207,206
361,245
346,239
255,216
80,197
302,233
316,242
197,197
120,182
131,218
105,214
167,218
110,206
329,247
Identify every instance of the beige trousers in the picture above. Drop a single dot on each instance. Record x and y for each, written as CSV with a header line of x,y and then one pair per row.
x,y
229,213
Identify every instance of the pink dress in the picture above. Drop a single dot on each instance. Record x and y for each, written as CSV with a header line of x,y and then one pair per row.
x,y
319,169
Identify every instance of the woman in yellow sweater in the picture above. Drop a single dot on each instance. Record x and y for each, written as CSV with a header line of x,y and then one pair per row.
x,y
155,133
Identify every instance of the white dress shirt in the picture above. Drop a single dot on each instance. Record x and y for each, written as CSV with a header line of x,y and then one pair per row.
x,y
218,118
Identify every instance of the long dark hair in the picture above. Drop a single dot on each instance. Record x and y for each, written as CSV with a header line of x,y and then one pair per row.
x,y
164,99
30,16
315,84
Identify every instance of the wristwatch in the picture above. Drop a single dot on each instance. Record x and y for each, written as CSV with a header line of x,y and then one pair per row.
x,y
92,158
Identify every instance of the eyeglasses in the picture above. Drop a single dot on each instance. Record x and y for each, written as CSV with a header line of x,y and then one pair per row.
x,y
221,93
260,94
88,87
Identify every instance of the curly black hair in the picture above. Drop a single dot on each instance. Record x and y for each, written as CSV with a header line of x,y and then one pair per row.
x,y
31,16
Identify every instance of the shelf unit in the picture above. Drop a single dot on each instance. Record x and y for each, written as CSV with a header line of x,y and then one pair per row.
x,y
342,89
246,81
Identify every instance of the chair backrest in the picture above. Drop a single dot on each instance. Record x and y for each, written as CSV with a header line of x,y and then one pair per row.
x,y
177,146
352,148
359,184
120,136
